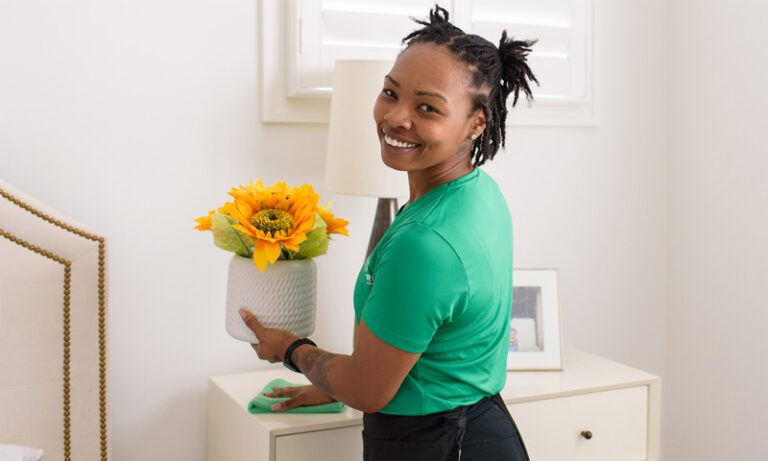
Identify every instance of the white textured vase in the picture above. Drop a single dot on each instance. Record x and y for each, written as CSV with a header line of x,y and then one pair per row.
x,y
283,296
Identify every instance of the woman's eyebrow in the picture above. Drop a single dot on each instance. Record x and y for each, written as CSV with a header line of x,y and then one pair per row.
x,y
418,93
435,95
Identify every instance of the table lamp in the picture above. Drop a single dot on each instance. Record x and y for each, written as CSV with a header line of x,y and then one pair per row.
x,y
353,165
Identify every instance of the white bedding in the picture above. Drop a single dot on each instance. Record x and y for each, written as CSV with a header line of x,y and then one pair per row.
x,y
19,453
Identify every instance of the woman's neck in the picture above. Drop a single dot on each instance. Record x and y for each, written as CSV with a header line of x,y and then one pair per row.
x,y
423,181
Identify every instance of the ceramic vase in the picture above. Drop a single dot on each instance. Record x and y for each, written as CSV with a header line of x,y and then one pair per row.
x,y
283,296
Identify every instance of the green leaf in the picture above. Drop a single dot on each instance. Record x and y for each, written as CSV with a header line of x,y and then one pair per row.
x,y
229,239
319,222
316,243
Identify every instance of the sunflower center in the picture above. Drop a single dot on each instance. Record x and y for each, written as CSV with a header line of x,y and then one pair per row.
x,y
272,221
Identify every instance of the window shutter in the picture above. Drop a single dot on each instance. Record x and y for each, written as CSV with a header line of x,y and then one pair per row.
x,y
561,59
326,30
303,38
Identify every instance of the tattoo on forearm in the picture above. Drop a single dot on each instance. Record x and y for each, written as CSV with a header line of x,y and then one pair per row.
x,y
316,364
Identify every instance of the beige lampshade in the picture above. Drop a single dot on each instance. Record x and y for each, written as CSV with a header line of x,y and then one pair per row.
x,y
353,164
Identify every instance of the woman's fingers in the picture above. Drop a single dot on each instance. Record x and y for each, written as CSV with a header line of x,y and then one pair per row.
x,y
252,322
300,396
290,403
287,391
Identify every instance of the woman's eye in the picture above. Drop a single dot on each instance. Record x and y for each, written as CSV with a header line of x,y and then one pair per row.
x,y
427,108
389,92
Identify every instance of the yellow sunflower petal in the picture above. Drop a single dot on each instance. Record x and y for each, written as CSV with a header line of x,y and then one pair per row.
x,y
243,229
230,209
204,222
258,187
339,226
290,245
271,250
244,208
324,213
296,239
260,259
335,225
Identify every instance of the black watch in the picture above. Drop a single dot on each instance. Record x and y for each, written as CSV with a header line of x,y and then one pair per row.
x,y
288,352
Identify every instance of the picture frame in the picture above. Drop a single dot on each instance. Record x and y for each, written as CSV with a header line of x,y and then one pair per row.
x,y
535,335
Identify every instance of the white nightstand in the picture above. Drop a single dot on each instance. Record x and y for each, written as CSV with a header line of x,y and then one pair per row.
x,y
594,410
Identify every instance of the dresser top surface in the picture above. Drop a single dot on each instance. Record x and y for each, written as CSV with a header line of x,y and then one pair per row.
x,y
582,372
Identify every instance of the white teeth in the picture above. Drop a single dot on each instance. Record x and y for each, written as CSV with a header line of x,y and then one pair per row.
x,y
395,143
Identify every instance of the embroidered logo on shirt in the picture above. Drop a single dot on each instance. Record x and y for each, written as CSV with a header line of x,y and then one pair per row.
x,y
369,277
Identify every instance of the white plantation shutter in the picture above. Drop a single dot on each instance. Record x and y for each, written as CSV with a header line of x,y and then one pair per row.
x,y
559,57
326,30
303,38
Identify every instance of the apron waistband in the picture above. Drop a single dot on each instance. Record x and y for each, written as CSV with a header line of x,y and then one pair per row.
x,y
436,436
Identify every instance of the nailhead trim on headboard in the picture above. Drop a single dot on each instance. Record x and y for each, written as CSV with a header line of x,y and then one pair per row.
x,y
102,318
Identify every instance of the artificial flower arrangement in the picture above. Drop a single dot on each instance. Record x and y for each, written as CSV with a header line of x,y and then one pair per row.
x,y
273,223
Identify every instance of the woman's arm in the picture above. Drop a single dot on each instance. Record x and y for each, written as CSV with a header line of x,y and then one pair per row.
x,y
367,380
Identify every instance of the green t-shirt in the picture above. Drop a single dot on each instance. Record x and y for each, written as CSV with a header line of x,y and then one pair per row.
x,y
439,283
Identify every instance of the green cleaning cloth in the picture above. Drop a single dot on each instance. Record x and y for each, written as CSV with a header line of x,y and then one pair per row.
x,y
263,404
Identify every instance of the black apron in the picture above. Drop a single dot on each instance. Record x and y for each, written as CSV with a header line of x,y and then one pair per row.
x,y
433,437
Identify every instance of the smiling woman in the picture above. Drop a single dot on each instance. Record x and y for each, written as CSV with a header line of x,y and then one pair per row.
x,y
421,116
433,300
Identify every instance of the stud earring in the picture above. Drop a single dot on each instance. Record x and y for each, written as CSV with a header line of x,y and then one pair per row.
x,y
473,137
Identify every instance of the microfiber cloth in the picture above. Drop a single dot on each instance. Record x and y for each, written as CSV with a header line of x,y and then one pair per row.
x,y
263,404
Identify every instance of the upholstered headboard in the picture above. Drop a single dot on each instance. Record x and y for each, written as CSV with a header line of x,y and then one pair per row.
x,y
53,388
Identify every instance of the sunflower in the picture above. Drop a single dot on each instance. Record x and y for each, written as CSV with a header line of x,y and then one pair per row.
x,y
271,223
273,218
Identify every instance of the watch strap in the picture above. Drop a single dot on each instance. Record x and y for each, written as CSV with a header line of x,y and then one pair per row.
x,y
287,360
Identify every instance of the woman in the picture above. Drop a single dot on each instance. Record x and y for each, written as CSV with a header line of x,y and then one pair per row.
x,y
433,301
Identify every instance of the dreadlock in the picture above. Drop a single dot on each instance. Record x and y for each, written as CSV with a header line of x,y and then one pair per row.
x,y
495,73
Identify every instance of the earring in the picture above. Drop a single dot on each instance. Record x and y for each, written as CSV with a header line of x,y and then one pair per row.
x,y
474,136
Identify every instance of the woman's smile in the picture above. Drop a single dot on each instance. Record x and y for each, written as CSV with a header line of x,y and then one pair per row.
x,y
394,142
425,117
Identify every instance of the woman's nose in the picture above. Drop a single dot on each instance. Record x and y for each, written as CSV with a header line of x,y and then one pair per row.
x,y
398,117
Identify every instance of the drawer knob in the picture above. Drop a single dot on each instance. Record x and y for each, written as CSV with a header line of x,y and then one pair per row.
x,y
586,434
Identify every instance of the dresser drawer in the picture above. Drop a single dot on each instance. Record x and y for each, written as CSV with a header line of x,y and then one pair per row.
x,y
618,420
342,444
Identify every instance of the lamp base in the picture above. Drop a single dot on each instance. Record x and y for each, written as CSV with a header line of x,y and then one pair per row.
x,y
386,209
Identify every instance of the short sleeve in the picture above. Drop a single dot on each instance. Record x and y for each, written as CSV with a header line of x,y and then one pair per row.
x,y
418,283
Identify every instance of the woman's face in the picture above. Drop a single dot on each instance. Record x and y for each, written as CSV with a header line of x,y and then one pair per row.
x,y
424,115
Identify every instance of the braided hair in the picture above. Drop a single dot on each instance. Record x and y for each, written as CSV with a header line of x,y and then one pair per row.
x,y
495,73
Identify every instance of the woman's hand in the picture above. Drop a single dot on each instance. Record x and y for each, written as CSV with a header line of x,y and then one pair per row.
x,y
272,341
299,396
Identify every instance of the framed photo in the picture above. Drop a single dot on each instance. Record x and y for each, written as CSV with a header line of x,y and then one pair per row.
x,y
535,341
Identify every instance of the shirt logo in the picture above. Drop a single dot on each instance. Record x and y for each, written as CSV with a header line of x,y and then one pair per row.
x,y
369,277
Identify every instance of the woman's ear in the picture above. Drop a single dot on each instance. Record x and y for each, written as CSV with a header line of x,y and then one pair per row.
x,y
478,123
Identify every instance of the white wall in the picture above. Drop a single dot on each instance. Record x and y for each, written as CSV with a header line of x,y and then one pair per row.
x,y
137,117
717,371
590,202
